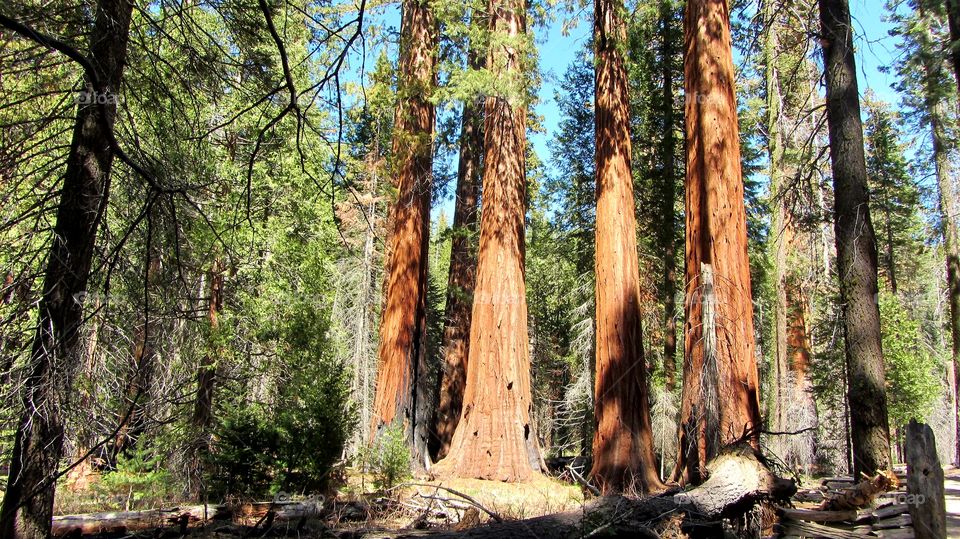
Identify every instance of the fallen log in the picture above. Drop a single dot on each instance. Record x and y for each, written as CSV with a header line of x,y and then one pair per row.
x,y
863,493
817,515
181,518
738,481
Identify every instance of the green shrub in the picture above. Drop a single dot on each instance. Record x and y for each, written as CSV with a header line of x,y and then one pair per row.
x,y
138,482
389,459
290,445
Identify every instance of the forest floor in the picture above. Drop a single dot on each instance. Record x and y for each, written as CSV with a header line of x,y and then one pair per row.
x,y
951,488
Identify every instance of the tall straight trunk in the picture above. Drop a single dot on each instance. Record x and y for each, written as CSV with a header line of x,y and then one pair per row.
x,y
623,457
495,438
403,322
463,272
779,220
133,412
950,214
57,350
206,372
856,246
668,232
953,20
719,344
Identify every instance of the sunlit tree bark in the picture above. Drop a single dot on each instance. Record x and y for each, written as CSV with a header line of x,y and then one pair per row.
x,y
720,403
403,322
623,456
463,273
494,438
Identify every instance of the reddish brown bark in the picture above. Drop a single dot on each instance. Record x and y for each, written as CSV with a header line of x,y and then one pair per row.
x,y
462,277
495,439
623,456
402,325
206,372
719,335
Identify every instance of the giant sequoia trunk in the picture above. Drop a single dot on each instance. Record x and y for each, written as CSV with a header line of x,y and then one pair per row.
x,y
720,397
463,273
57,347
856,246
403,322
494,438
623,455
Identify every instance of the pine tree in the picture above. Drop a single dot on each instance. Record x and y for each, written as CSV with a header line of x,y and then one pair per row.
x,y
856,246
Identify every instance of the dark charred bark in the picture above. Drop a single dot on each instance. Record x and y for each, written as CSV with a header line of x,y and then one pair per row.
x,y
57,346
463,273
399,399
856,246
623,457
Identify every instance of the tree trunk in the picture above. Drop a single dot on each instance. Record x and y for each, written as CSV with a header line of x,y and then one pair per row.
x,y
132,412
495,438
403,323
856,246
623,457
57,349
668,238
206,373
779,220
718,336
949,211
463,273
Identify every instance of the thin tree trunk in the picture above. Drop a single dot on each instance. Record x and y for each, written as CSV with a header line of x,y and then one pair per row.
x,y
949,210
403,323
206,373
463,272
669,230
623,457
856,246
132,412
719,341
495,438
57,346
779,218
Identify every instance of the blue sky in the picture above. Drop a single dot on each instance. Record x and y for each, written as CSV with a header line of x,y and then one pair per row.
x,y
875,50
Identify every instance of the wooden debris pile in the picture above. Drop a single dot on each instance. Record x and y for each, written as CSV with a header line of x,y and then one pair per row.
x,y
843,509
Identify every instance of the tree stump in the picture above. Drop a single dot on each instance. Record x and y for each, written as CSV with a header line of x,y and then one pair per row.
x,y
925,483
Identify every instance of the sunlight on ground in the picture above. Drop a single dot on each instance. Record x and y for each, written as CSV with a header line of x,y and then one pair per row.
x,y
540,496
